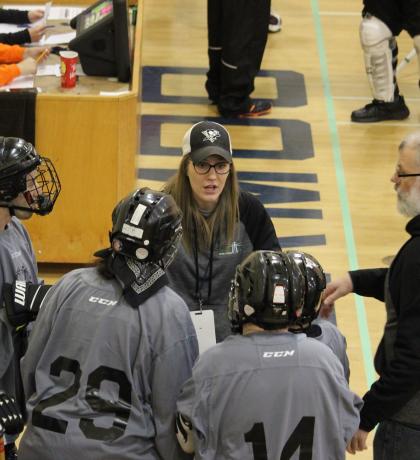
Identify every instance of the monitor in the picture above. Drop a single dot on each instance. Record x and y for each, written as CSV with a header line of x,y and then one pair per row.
x,y
103,39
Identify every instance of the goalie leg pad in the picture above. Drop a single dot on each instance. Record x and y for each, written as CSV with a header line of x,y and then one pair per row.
x,y
380,53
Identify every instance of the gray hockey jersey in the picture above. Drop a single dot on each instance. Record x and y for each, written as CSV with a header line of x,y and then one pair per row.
x,y
101,378
17,262
268,396
331,336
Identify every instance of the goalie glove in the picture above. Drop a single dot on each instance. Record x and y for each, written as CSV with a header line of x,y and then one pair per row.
x,y
23,301
10,417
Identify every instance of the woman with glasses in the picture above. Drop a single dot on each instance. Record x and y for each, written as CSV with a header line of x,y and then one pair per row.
x,y
221,223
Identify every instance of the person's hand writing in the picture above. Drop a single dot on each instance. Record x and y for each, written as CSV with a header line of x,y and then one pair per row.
x,y
334,290
37,33
36,51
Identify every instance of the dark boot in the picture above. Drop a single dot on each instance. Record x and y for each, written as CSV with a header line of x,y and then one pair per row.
x,y
256,108
381,111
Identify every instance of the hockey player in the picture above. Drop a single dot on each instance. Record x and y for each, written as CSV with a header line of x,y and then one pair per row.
x,y
267,393
28,184
111,347
309,322
382,21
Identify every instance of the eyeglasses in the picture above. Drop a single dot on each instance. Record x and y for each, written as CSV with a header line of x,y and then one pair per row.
x,y
202,167
407,175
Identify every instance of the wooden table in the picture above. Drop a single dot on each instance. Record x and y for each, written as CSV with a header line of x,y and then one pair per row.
x,y
92,140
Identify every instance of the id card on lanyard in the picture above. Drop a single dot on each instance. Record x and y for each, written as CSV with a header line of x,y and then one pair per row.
x,y
203,321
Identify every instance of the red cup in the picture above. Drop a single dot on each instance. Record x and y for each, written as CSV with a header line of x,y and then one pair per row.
x,y
68,68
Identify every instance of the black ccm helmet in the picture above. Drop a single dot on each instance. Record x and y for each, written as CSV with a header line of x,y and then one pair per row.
x,y
146,225
315,283
267,290
22,170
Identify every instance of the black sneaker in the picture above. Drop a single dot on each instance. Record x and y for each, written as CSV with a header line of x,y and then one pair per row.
x,y
10,451
257,109
381,111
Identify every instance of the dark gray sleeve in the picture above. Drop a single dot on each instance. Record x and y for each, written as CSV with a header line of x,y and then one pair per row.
x,y
6,355
350,407
170,370
194,404
10,16
258,223
38,338
16,38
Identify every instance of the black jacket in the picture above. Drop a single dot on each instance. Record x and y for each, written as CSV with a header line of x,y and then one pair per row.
x,y
14,17
399,381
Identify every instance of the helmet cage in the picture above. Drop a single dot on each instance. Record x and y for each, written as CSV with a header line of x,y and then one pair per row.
x,y
39,185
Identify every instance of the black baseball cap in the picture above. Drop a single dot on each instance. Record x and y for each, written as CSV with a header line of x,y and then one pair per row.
x,y
207,138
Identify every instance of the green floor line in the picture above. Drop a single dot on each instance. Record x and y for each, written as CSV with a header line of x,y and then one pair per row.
x,y
344,203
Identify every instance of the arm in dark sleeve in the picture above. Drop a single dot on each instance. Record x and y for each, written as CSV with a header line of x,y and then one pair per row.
x,y
369,282
401,381
258,224
16,38
10,16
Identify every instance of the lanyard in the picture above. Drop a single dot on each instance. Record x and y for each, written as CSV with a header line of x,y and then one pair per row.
x,y
209,269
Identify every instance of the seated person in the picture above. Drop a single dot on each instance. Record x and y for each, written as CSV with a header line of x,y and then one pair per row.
x,y
16,60
267,393
309,322
30,34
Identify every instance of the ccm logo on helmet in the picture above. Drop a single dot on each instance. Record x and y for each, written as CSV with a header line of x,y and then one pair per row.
x,y
102,301
278,354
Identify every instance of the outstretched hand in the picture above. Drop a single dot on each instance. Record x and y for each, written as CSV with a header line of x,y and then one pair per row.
x,y
334,290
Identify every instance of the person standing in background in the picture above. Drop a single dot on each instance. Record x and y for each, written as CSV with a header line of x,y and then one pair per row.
x,y
237,35
393,401
222,224
382,21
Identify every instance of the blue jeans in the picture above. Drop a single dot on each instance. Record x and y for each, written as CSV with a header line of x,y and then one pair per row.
x,y
394,441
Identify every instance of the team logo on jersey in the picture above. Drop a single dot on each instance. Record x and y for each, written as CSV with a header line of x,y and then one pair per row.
x,y
210,135
278,354
110,303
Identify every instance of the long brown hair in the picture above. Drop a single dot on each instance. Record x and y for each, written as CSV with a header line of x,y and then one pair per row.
x,y
222,220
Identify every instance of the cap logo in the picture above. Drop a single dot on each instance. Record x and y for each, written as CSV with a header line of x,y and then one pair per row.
x,y
210,135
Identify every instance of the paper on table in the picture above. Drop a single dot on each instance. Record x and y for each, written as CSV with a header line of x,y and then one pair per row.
x,y
54,69
43,20
57,39
25,81
64,12
48,69
37,6
10,28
